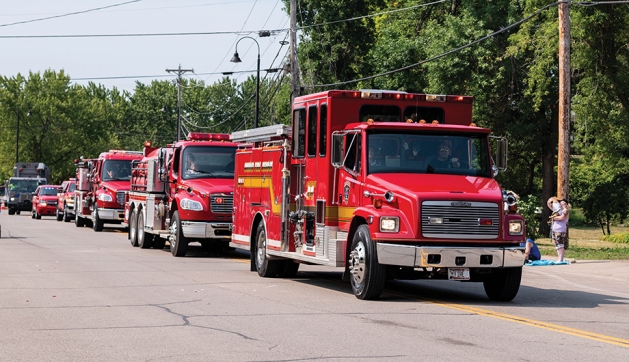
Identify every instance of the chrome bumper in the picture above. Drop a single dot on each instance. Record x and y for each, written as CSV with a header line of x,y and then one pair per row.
x,y
111,214
206,230
449,257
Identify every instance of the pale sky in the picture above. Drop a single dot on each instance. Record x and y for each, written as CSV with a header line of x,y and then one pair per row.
x,y
97,57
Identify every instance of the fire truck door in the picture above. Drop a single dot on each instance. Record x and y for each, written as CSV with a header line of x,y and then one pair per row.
x,y
350,187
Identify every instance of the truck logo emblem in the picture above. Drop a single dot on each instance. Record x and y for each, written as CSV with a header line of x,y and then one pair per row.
x,y
461,204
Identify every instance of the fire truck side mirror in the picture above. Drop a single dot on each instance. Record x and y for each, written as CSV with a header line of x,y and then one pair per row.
x,y
337,150
501,154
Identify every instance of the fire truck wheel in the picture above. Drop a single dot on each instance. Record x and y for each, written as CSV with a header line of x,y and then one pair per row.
x,y
133,228
503,284
266,268
66,217
78,221
289,269
179,243
367,276
145,240
18,212
11,211
97,223
32,214
58,215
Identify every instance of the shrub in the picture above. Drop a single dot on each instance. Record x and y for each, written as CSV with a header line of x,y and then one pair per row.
x,y
528,206
617,238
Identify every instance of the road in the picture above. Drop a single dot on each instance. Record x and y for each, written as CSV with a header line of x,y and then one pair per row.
x,y
71,294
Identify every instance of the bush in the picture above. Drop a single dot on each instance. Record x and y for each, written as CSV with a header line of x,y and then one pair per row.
x,y
577,218
528,206
617,238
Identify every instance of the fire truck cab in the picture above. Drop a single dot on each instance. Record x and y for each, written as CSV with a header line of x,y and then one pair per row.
x,y
387,185
183,193
101,188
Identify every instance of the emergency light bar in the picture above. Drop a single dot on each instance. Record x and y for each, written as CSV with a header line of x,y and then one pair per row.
x,y
199,136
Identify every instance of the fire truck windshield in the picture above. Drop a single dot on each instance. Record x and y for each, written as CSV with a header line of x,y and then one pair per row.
x,y
117,170
208,162
23,185
442,153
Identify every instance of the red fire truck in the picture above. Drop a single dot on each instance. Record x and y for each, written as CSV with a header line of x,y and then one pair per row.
x,y
101,188
184,193
388,185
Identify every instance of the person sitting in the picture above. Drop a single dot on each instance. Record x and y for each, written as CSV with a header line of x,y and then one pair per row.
x,y
531,251
191,166
111,173
373,161
443,159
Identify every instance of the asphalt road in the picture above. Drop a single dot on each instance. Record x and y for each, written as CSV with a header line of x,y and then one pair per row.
x,y
71,294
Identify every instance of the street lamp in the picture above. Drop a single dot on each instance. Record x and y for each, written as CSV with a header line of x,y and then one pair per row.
x,y
236,59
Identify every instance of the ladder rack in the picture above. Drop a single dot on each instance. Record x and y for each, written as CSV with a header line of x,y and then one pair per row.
x,y
262,134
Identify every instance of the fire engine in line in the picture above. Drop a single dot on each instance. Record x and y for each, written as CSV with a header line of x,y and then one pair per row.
x,y
184,193
388,185
101,188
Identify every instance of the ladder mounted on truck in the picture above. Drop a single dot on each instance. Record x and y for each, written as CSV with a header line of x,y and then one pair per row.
x,y
276,132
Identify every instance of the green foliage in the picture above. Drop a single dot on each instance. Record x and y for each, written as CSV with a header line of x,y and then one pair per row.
x,y
617,238
529,207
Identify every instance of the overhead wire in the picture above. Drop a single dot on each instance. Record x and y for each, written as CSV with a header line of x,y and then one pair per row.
x,y
69,14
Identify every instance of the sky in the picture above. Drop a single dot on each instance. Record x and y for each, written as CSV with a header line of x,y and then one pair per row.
x,y
142,58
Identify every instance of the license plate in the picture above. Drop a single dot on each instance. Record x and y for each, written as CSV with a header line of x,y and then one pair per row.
x,y
459,274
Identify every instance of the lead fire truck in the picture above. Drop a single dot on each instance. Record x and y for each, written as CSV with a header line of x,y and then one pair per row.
x,y
387,185
183,193
101,188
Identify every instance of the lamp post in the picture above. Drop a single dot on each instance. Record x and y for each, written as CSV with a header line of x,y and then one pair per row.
x,y
236,59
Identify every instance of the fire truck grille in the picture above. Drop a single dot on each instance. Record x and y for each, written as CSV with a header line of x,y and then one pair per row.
x,y
221,203
460,220
51,203
120,197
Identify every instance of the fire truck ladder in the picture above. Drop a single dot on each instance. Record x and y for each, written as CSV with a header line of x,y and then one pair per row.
x,y
276,132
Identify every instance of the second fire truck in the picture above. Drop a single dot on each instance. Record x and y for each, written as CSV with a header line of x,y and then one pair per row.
x,y
387,185
183,193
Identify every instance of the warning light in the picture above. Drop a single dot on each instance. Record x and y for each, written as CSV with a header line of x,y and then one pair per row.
x,y
199,136
147,144
434,121
485,222
370,121
218,200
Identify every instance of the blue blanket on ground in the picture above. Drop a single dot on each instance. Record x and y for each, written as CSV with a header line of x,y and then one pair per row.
x,y
546,262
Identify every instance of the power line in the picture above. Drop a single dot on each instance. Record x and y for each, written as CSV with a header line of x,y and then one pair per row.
x,y
135,35
69,14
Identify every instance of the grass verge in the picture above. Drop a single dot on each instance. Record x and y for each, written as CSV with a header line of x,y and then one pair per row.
x,y
586,243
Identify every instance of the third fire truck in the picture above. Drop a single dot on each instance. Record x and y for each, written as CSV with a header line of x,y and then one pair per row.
x,y
387,185
183,193
101,190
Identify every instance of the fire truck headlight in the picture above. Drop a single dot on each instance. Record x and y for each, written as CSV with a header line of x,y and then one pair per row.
x,y
42,202
188,204
13,199
516,227
389,224
105,198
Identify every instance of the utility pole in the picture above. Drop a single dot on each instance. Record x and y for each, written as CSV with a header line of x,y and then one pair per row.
x,y
17,138
179,72
563,155
294,67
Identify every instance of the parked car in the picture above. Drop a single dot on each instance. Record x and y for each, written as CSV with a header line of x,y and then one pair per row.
x,y
65,200
44,201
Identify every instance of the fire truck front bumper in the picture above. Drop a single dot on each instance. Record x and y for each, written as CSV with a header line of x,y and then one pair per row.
x,y
449,257
206,230
111,214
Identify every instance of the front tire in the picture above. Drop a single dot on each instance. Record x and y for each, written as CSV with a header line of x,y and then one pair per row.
x,y
367,276
145,240
58,215
78,221
503,285
179,243
133,228
97,224
266,268
66,216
